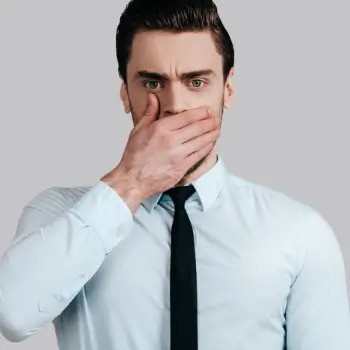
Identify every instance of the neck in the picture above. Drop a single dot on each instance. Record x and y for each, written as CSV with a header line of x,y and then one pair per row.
x,y
206,163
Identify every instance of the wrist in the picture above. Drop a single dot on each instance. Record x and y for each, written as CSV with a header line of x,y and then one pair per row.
x,y
123,184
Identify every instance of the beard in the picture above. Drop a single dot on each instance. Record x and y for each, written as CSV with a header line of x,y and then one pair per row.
x,y
198,164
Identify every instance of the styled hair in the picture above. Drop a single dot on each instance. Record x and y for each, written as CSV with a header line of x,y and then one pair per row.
x,y
175,16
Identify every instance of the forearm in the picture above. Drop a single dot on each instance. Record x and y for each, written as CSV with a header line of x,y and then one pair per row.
x,y
44,269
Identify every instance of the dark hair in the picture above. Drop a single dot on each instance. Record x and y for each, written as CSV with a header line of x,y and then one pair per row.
x,y
176,16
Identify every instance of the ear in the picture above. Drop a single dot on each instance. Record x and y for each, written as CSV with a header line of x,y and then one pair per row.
x,y
124,96
229,90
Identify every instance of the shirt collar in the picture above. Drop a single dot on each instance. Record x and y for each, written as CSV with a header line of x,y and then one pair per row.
x,y
207,187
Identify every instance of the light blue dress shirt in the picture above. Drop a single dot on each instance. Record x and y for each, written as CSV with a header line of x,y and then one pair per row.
x,y
270,272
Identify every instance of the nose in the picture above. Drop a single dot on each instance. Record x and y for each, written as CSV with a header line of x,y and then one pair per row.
x,y
173,100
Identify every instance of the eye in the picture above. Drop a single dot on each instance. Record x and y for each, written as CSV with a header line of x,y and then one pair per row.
x,y
150,84
197,83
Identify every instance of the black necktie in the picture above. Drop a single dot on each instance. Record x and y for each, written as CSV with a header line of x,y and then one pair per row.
x,y
183,276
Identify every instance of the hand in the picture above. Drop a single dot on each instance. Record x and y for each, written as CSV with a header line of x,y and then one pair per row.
x,y
159,152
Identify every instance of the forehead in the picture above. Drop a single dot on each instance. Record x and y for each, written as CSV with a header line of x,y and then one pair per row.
x,y
173,52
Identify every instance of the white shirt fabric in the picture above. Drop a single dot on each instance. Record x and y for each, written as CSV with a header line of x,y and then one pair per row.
x,y
270,272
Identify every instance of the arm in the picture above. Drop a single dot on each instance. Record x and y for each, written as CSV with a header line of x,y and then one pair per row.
x,y
317,313
53,255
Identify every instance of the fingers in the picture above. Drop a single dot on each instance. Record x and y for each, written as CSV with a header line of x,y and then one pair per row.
x,y
178,121
196,156
196,129
199,142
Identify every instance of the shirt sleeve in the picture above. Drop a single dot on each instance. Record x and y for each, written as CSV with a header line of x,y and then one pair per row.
x,y
317,313
52,256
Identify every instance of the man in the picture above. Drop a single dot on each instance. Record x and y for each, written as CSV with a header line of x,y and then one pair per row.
x,y
98,261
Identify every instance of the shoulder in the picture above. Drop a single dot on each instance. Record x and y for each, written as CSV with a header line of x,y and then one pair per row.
x,y
263,198
45,206
56,199
274,209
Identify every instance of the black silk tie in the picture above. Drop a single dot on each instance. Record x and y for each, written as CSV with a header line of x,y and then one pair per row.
x,y
183,276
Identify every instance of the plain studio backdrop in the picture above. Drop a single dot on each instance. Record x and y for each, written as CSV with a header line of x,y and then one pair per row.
x,y
62,123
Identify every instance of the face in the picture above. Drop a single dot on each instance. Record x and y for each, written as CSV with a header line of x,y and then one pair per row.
x,y
183,70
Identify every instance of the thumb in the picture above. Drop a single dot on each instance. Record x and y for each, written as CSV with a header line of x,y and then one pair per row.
x,y
152,109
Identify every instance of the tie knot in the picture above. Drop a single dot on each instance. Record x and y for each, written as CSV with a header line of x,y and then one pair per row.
x,y
180,194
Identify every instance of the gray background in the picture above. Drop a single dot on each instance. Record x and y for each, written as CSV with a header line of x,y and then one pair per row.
x,y
62,123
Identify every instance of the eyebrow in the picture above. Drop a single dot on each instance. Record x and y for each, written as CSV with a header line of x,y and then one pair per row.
x,y
164,77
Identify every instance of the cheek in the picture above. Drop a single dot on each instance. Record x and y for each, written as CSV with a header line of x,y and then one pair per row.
x,y
215,100
138,102
211,95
